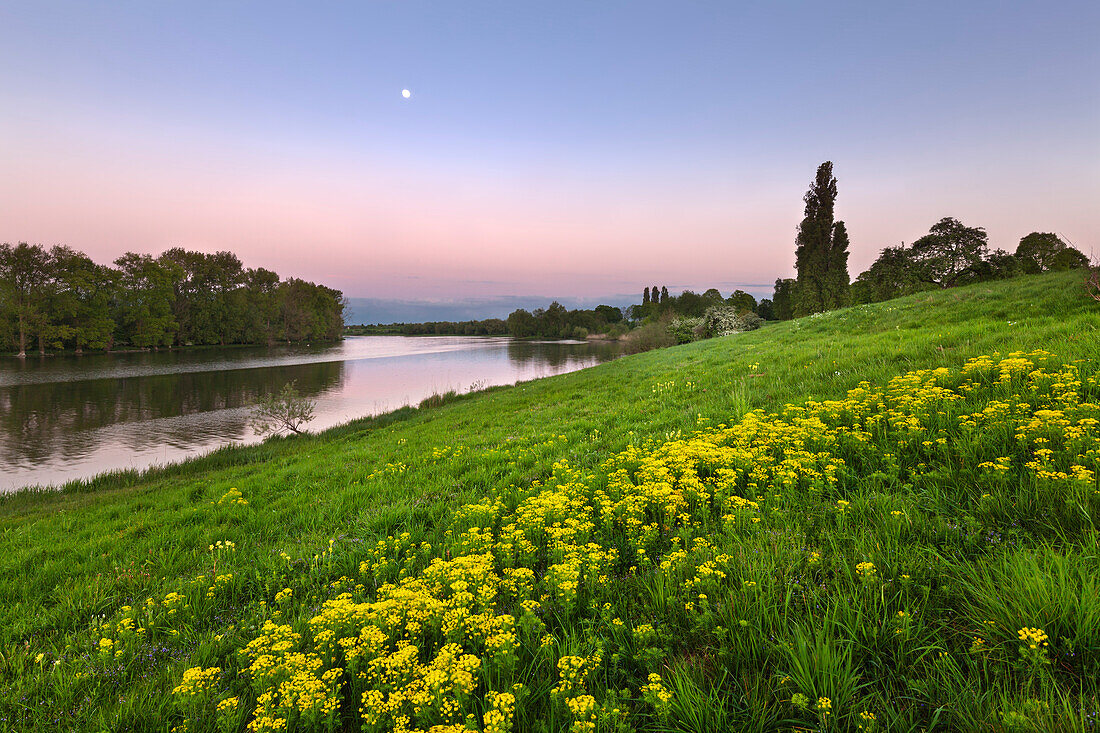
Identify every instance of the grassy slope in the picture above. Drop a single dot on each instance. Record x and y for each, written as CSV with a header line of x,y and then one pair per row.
x,y
68,558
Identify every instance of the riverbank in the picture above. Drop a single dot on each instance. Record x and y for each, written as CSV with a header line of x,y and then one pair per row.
x,y
307,514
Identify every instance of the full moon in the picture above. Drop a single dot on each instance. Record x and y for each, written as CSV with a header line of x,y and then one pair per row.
x,y
406,93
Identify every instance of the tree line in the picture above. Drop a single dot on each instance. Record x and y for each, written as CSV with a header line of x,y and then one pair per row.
x,y
59,298
951,254
657,303
555,321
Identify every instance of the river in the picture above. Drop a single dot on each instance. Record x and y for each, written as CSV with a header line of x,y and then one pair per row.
x,y
72,417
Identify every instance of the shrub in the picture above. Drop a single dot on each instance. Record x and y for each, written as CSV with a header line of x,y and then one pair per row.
x,y
617,330
284,410
648,337
725,320
685,330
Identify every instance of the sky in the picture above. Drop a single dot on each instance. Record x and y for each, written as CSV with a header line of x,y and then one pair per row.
x,y
565,149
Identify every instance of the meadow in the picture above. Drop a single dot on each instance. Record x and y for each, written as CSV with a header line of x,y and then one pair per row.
x,y
880,518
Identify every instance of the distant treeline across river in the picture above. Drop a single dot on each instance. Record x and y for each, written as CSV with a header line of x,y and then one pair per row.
x,y
59,298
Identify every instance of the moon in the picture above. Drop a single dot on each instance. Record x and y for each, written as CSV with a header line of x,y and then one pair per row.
x,y
406,93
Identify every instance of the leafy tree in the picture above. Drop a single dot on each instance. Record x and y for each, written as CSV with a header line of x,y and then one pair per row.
x,y
950,254
1069,258
143,303
1043,251
1000,265
81,301
892,275
836,283
24,274
766,309
741,301
262,305
522,324
552,321
664,294
207,302
609,314
645,296
783,298
692,304
821,252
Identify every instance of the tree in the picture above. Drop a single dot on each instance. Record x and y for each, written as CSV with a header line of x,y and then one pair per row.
x,y
552,320
143,304
821,251
950,254
692,304
1043,251
664,293
837,285
766,309
783,298
645,296
1000,265
892,275
81,300
741,301
521,323
1069,258
283,410
608,313
262,288
24,273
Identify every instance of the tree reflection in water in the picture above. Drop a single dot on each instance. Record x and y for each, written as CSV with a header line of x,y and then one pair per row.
x,y
69,417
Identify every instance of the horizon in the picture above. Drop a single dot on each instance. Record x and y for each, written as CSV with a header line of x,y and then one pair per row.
x,y
574,150
394,311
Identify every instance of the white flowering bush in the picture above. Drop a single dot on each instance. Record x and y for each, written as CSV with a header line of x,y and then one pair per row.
x,y
723,320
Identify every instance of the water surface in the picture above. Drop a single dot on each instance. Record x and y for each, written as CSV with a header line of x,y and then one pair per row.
x,y
67,417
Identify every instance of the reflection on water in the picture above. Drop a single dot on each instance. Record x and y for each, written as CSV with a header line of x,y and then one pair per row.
x,y
72,417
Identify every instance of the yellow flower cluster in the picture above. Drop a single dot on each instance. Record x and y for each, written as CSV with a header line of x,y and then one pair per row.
x,y
233,497
657,695
1033,638
198,682
866,569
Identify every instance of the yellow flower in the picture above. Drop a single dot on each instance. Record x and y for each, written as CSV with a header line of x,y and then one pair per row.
x,y
1033,638
866,569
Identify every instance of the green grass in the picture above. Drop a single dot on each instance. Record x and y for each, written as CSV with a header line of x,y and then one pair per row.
x,y
70,560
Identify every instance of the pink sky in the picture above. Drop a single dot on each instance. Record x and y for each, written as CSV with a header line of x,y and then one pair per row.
x,y
534,161
378,227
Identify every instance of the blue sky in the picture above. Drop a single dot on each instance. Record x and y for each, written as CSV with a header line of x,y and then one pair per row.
x,y
572,149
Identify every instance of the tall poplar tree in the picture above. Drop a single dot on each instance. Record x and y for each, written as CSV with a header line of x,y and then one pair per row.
x,y
821,253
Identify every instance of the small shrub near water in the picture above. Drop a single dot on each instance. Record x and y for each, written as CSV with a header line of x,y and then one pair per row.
x,y
651,336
